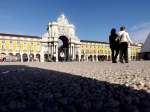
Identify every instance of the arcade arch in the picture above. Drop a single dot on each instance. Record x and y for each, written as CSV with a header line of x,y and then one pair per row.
x,y
18,57
25,57
31,57
38,57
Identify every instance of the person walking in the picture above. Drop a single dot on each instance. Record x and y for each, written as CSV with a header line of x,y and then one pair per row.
x,y
114,45
124,39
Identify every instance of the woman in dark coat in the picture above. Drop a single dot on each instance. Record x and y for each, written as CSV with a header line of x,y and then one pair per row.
x,y
114,45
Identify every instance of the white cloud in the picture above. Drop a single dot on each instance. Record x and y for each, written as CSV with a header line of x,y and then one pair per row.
x,y
140,32
143,25
2,16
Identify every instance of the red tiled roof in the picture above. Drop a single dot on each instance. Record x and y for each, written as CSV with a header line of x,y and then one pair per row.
x,y
16,35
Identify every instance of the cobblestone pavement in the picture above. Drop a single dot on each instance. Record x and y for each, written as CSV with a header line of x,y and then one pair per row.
x,y
75,87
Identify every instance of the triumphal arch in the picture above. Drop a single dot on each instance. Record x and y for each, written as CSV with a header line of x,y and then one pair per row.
x,y
64,31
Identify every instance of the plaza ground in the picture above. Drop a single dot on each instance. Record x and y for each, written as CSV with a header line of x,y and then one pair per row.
x,y
75,86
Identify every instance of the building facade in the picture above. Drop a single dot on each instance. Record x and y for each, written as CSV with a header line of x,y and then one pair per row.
x,y
46,48
145,51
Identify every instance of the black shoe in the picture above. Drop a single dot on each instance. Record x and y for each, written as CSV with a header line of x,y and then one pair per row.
x,y
114,61
126,62
121,61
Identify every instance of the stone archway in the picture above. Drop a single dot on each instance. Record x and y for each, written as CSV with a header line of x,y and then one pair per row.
x,y
37,57
18,57
46,57
64,31
31,57
64,47
2,57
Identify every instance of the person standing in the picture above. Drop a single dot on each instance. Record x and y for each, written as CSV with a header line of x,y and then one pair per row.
x,y
124,39
114,45
62,55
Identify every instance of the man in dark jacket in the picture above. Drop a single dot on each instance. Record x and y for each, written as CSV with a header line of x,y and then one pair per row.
x,y
114,45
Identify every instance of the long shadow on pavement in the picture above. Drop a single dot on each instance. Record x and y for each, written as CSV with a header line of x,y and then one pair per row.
x,y
30,89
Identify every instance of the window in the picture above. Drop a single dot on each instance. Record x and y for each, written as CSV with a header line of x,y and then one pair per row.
x,y
18,42
31,46
18,47
38,48
25,47
82,50
3,47
10,47
3,41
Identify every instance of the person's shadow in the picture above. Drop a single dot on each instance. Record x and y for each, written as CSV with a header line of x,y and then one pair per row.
x,y
29,89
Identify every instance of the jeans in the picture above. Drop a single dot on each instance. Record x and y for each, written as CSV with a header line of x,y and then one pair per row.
x,y
124,51
114,53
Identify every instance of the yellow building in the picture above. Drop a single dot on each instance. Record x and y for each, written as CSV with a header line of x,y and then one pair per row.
x,y
14,47
22,46
95,51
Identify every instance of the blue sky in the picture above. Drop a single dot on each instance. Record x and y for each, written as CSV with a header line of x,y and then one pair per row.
x,y
93,19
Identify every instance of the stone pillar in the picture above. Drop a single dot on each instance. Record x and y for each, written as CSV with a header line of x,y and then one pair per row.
x,y
92,57
97,58
69,50
56,52
79,53
52,49
129,52
42,54
73,52
28,55
49,48
21,56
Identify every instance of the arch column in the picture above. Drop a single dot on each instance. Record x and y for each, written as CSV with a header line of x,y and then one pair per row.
x,y
42,54
73,51
56,49
21,57
79,52
97,58
92,57
129,52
